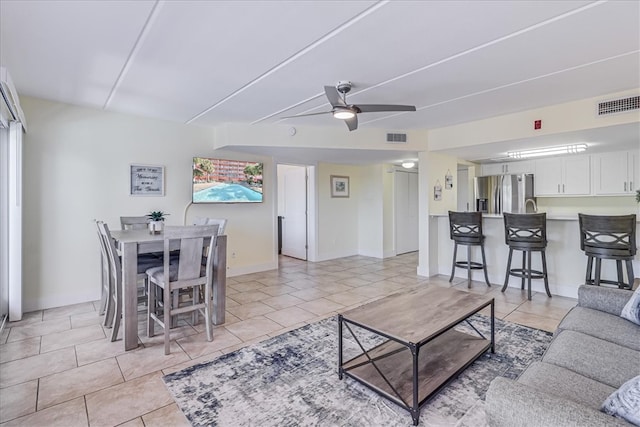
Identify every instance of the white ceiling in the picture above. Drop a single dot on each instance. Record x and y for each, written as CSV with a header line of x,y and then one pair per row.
x,y
211,62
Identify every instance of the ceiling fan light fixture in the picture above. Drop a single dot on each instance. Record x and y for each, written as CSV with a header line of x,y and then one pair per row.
x,y
343,114
408,164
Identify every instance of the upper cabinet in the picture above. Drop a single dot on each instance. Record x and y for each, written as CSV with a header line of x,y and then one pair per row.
x,y
563,176
616,173
525,166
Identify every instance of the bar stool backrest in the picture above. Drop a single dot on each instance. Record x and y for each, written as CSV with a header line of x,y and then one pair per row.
x,y
466,227
608,236
525,231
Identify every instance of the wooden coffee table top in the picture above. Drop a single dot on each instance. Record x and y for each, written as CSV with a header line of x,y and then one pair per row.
x,y
418,315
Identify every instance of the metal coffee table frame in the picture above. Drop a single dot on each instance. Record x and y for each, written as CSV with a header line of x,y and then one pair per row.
x,y
393,346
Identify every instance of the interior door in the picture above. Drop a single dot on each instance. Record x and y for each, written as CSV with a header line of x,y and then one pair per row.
x,y
294,221
406,215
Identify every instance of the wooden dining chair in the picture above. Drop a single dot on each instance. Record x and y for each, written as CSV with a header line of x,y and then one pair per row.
x,y
187,273
113,314
105,299
220,222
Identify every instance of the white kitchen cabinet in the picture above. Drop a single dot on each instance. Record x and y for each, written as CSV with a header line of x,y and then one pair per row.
x,y
524,166
563,176
616,173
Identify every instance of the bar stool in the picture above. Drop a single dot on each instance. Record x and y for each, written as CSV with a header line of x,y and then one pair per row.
x,y
465,228
526,233
608,237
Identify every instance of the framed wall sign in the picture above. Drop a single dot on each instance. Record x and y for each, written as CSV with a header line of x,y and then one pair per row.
x,y
146,180
339,186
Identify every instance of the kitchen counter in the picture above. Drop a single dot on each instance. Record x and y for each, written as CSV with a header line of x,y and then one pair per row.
x,y
566,262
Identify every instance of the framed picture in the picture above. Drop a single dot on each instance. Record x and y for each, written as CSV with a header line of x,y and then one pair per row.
x,y
146,180
437,192
339,186
448,181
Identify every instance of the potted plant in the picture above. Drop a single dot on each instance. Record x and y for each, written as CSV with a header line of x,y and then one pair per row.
x,y
156,221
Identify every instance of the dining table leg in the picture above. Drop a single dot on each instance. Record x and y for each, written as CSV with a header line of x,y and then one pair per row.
x,y
130,294
220,280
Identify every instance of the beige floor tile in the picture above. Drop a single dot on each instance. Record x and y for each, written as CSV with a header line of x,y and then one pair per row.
x,y
334,288
170,415
252,328
355,281
145,360
282,301
246,343
230,302
197,345
68,310
247,286
136,422
4,335
19,349
321,317
71,413
276,290
347,298
369,291
309,294
189,363
273,281
30,368
67,385
18,400
71,337
290,316
126,401
321,306
86,319
249,296
27,319
252,309
98,350
302,283
174,334
543,309
533,321
38,328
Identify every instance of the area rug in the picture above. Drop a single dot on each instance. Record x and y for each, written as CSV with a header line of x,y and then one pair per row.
x,y
292,380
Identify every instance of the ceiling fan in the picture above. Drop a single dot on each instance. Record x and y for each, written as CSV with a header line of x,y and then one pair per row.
x,y
337,97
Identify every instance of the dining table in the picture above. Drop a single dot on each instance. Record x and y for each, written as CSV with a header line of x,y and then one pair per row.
x,y
131,243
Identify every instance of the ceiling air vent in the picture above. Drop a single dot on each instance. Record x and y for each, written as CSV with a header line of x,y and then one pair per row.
x,y
397,138
619,105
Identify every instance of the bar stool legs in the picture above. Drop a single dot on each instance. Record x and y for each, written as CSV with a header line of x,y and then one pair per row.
x,y
469,265
526,273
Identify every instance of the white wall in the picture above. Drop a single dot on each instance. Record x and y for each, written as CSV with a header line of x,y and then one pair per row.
x,y
76,163
371,212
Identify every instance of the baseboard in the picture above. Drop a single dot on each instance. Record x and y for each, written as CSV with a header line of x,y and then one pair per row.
x,y
335,255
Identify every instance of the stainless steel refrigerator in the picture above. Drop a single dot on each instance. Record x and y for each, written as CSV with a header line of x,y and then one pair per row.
x,y
504,193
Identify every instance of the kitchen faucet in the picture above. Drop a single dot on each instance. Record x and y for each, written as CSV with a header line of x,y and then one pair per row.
x,y
533,202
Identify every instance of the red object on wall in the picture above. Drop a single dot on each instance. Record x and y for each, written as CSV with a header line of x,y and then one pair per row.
x,y
537,124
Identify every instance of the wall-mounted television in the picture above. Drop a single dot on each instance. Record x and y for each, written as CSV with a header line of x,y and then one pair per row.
x,y
226,181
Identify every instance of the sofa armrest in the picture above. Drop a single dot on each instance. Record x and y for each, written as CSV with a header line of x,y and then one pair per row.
x,y
609,300
511,404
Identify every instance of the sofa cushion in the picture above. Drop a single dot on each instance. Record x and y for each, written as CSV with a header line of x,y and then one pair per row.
x,y
562,382
594,358
625,402
610,300
602,325
631,310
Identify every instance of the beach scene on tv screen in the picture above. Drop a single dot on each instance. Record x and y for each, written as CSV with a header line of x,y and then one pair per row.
x,y
226,181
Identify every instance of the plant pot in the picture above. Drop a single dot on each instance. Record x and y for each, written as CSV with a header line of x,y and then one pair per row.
x,y
155,227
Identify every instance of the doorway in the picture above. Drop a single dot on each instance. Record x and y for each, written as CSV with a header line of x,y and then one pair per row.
x,y
293,203
406,211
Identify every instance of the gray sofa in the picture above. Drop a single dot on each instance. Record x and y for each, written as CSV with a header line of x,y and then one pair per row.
x,y
594,352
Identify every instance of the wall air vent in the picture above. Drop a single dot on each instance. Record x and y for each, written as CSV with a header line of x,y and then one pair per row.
x,y
397,138
619,105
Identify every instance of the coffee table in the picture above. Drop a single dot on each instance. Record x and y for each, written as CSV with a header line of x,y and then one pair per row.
x,y
423,352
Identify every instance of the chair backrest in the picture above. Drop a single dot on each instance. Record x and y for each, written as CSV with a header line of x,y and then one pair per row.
x,y
134,222
525,231
195,241
466,227
607,235
220,222
111,252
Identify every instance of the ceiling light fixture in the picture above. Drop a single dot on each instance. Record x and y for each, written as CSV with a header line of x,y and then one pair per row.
x,y
549,151
408,165
343,114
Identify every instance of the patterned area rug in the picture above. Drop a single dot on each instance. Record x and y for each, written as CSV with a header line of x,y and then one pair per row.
x,y
292,380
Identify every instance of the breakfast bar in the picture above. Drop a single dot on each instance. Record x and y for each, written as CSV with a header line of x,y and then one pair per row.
x,y
566,263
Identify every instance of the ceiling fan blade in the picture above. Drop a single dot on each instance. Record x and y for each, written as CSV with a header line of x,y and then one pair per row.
x,y
308,114
334,97
375,108
352,123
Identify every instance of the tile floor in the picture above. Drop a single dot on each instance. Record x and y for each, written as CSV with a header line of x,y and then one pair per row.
x,y
57,366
